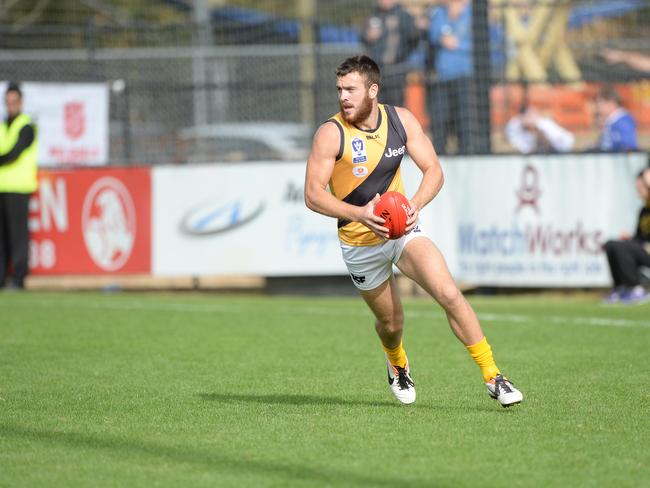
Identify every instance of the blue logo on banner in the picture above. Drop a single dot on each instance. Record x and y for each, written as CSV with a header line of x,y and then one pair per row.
x,y
215,218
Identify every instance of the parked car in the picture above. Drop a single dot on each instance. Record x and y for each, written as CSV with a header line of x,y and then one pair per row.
x,y
245,141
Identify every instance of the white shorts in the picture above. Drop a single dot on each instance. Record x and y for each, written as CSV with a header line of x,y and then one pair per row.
x,y
370,266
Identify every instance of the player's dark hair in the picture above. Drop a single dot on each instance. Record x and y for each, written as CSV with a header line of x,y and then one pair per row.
x,y
609,94
363,65
14,87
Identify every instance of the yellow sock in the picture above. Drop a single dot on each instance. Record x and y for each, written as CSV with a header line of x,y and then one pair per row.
x,y
481,353
396,356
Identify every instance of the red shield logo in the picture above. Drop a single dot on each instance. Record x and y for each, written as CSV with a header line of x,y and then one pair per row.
x,y
75,121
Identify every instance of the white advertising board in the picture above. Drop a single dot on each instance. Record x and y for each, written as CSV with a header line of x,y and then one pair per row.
x,y
537,221
71,119
239,219
503,221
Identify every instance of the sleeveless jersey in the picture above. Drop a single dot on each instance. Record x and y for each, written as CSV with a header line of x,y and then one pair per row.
x,y
368,163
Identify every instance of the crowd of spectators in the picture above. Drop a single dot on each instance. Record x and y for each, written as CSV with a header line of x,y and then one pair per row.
x,y
437,43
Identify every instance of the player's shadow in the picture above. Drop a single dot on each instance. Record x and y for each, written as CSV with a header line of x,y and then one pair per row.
x,y
206,458
294,399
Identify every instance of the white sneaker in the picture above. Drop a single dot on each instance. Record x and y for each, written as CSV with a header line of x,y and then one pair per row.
x,y
638,294
401,383
503,390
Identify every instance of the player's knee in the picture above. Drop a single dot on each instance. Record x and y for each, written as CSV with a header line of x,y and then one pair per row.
x,y
449,296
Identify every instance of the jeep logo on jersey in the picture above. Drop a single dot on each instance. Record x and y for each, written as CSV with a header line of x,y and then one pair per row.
x,y
390,153
358,151
109,223
218,217
360,171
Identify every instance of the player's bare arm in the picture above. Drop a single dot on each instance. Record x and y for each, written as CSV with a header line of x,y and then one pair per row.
x,y
319,171
424,155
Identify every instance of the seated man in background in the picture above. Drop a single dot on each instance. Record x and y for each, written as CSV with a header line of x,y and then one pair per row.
x,y
618,128
530,132
626,256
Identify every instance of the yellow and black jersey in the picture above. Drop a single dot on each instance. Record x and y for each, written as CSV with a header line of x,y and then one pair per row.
x,y
368,163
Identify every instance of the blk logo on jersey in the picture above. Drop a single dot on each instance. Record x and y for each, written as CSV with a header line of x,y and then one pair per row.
x,y
390,153
358,151
358,279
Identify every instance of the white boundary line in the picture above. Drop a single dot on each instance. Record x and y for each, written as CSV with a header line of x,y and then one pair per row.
x,y
296,309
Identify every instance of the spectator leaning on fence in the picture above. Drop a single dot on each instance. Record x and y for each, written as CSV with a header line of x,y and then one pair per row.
x,y
390,37
635,60
18,163
530,132
626,256
618,128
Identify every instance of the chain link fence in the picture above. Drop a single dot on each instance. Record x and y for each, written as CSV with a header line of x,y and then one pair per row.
x,y
186,84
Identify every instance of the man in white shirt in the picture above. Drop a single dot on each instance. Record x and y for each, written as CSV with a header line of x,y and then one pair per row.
x,y
530,132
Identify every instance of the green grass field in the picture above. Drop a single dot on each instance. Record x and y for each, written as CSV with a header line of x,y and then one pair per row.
x,y
194,390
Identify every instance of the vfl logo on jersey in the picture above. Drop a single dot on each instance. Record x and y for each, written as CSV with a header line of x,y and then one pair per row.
x,y
358,151
360,171
394,152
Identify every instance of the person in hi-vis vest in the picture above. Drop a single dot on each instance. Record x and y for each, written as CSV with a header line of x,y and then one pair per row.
x,y
18,165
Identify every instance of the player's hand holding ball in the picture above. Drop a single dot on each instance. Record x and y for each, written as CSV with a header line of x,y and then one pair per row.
x,y
370,219
397,213
412,221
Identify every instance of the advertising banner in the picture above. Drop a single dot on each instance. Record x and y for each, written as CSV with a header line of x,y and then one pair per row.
x,y
239,219
502,221
91,221
538,221
71,120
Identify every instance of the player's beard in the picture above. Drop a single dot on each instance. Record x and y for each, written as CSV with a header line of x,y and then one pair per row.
x,y
362,113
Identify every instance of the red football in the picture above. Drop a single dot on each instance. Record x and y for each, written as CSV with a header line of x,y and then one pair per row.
x,y
394,208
